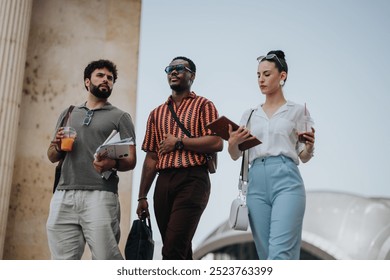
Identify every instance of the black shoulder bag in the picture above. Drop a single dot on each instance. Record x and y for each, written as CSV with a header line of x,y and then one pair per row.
x,y
211,159
57,173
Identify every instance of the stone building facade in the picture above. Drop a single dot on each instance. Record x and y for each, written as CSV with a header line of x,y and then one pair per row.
x,y
44,48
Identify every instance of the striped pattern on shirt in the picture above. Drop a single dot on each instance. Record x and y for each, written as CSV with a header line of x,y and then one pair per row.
x,y
195,112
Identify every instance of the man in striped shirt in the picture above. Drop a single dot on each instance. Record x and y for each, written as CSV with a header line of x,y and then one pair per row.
x,y
179,158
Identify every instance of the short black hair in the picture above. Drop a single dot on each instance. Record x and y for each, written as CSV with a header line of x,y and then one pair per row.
x,y
190,62
99,64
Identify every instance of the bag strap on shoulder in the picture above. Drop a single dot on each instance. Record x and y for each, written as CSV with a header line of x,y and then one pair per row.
x,y
183,128
242,186
66,117
181,125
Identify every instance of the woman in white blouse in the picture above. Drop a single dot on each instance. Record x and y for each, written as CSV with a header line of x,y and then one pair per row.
x,y
276,193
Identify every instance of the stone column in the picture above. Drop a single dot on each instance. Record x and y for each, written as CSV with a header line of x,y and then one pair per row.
x,y
14,29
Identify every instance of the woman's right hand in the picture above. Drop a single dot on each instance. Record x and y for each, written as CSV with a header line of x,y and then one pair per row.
x,y
239,136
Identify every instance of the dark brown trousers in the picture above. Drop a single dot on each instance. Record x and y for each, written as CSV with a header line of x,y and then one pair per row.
x,y
180,197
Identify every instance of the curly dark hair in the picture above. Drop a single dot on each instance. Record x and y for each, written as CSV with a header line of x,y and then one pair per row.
x,y
190,62
99,64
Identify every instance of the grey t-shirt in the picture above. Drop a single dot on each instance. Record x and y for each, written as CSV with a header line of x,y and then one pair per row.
x,y
78,172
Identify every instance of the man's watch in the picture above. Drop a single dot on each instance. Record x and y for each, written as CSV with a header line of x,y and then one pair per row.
x,y
179,145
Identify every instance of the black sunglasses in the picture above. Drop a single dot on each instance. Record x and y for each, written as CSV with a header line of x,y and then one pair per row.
x,y
88,117
180,68
270,57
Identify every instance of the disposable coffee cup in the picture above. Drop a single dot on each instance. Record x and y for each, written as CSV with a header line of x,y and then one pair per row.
x,y
68,139
303,127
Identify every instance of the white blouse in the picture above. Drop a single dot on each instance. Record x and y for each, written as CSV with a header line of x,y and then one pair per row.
x,y
279,133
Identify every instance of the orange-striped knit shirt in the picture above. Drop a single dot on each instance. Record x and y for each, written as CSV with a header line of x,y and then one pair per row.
x,y
195,112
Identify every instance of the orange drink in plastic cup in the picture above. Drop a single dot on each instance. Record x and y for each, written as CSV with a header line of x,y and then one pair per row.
x,y
68,139
67,144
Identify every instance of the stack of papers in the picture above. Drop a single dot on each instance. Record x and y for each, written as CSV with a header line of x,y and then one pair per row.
x,y
115,148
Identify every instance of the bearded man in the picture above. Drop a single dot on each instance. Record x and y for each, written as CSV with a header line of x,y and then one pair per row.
x,y
85,206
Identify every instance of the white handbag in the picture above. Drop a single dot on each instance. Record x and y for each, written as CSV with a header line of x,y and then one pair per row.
x,y
238,218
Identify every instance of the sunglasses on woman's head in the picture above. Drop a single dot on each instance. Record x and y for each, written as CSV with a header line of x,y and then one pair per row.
x,y
180,68
270,57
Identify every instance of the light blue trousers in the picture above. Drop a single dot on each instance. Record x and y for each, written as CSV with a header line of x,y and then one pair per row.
x,y
77,217
276,202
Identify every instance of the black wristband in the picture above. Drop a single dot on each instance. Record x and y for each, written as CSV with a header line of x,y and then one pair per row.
x,y
117,164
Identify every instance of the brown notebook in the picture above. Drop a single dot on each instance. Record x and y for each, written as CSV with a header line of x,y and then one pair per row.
x,y
221,128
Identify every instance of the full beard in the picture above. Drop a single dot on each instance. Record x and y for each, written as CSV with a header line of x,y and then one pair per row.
x,y
104,94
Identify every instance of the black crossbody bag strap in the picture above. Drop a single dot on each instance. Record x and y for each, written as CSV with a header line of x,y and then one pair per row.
x,y
181,125
66,117
58,168
245,157
209,157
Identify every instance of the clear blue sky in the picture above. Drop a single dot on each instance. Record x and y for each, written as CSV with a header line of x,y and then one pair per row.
x,y
338,56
